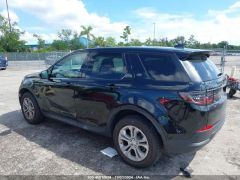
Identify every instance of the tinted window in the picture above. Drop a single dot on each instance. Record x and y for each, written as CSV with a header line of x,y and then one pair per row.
x,y
135,62
162,68
105,65
69,67
200,68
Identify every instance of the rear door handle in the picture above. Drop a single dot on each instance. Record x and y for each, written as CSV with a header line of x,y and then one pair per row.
x,y
112,86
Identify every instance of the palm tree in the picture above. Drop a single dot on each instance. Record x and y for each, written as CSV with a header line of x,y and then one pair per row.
x,y
87,31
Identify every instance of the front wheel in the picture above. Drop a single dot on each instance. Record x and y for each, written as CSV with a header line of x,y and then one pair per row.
x,y
30,109
137,142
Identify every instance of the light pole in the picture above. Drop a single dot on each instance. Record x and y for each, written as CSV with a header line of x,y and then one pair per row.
x,y
9,21
154,30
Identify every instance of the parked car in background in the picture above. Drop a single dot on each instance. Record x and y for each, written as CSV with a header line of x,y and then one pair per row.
x,y
149,100
3,62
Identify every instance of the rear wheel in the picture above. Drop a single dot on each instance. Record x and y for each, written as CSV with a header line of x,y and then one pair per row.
x,y
137,142
224,88
30,109
231,93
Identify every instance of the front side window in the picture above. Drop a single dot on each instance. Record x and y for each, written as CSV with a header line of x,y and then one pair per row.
x,y
105,66
70,66
162,67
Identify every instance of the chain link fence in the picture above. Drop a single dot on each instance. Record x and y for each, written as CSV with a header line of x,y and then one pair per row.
x,y
32,60
227,61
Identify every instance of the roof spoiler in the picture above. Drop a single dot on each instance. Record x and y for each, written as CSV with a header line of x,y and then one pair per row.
x,y
191,55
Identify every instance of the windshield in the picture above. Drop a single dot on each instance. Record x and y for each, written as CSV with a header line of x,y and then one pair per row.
x,y
202,69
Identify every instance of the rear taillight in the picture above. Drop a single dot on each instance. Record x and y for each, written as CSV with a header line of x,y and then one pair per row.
x,y
198,98
232,79
164,101
206,128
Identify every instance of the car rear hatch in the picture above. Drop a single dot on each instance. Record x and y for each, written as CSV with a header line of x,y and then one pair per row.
x,y
216,109
203,71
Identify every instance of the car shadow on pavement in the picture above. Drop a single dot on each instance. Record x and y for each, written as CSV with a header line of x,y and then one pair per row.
x,y
83,147
234,98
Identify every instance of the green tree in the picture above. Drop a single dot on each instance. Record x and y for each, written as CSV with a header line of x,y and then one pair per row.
x,y
65,35
86,30
179,40
126,34
148,42
121,44
192,42
110,42
99,42
75,42
10,40
205,46
222,44
68,40
135,42
41,41
59,45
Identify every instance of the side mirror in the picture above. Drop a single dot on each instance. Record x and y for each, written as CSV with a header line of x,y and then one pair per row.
x,y
44,74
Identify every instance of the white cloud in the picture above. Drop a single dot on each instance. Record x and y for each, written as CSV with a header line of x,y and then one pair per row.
x,y
28,36
235,6
58,14
212,27
13,15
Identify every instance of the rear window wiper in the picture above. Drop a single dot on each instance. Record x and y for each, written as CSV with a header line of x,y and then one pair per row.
x,y
220,74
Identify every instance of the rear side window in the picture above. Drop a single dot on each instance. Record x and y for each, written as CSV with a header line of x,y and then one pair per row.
x,y
163,67
105,66
200,68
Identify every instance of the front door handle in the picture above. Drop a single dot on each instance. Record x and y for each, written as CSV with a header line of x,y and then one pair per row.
x,y
55,80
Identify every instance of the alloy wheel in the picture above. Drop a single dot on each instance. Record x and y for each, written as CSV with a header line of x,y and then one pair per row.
x,y
28,108
133,143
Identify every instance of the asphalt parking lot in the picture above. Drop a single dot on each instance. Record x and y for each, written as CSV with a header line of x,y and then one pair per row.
x,y
54,148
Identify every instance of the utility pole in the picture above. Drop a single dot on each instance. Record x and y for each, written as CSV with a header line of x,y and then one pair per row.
x,y
9,21
154,30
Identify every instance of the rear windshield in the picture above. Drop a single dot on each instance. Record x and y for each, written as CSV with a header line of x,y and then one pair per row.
x,y
201,68
163,67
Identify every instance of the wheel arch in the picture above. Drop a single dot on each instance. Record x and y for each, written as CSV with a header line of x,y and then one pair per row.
x,y
23,91
127,110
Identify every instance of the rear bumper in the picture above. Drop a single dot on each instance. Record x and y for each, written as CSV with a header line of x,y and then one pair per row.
x,y
3,65
196,142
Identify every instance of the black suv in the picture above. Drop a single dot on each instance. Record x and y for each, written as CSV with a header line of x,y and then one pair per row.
x,y
149,100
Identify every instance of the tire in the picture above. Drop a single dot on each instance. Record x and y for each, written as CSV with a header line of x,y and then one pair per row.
x,y
143,129
224,88
231,93
30,109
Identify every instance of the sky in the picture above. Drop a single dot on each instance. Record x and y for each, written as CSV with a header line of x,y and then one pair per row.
x,y
208,20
